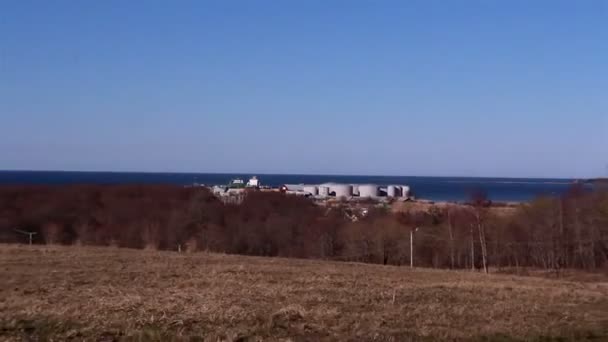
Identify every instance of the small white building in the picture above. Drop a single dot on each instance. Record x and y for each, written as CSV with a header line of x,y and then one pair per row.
x,y
253,182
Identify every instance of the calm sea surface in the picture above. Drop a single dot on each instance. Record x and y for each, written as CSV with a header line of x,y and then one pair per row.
x,y
432,188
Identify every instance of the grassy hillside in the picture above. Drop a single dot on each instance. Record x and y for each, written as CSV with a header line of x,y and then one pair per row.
x,y
119,294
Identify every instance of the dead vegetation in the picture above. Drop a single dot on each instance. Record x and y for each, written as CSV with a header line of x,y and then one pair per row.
x,y
106,294
551,233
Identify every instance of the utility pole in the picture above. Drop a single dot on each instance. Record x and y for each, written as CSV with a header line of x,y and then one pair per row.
x,y
30,234
412,246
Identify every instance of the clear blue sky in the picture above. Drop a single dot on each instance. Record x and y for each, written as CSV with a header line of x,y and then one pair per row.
x,y
468,88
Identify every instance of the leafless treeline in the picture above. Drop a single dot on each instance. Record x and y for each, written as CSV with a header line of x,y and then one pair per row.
x,y
550,233
570,231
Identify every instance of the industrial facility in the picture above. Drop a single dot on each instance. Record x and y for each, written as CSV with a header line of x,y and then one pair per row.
x,y
235,191
348,191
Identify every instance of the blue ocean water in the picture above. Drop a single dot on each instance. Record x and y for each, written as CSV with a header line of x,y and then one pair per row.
x,y
431,188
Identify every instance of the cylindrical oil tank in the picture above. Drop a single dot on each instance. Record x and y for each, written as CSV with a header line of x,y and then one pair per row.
x,y
368,190
393,191
311,189
342,190
330,187
294,187
355,189
398,191
405,191
323,191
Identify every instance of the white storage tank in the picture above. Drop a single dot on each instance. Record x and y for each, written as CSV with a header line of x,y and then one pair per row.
x,y
405,191
330,186
323,191
355,189
398,191
342,190
293,187
393,191
310,189
368,190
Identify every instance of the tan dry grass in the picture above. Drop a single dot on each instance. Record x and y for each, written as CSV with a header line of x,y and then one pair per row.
x,y
110,293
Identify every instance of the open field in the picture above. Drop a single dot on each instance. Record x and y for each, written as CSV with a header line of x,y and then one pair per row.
x,y
113,294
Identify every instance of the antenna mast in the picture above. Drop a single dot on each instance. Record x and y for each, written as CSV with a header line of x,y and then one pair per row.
x,y
30,234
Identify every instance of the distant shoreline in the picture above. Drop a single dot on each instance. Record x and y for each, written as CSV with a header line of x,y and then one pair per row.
x,y
432,188
558,180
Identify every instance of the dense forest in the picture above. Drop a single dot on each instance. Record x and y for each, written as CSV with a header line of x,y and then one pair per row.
x,y
570,231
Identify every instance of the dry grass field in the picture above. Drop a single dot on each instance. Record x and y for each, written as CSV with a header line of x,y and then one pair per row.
x,y
107,294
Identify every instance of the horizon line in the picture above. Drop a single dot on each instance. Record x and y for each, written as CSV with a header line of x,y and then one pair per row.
x,y
285,174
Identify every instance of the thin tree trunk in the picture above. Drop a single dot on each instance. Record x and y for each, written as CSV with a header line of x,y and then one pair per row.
x,y
482,242
472,250
562,239
451,231
579,238
592,249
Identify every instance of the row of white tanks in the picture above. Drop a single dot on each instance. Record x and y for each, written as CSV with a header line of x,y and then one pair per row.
x,y
349,190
